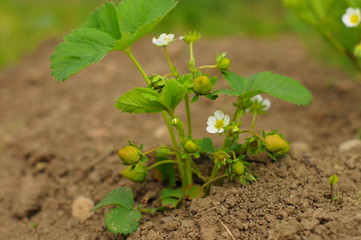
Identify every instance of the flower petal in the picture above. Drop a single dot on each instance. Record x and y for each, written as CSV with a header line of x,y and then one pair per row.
x,y
212,129
226,120
221,130
257,98
211,121
266,104
219,114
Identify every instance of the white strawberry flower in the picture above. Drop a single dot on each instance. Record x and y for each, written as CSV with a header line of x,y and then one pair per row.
x,y
163,40
352,17
266,103
217,122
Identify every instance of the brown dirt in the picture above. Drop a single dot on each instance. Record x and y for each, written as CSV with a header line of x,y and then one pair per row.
x,y
57,143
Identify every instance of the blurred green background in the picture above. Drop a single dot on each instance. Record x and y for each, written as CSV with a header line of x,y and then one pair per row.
x,y
24,24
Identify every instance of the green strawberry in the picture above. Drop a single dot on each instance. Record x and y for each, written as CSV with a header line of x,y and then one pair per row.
x,y
202,85
238,168
137,174
130,155
274,143
224,63
190,146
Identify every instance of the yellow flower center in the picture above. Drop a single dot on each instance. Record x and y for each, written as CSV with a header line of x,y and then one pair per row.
x,y
219,124
354,18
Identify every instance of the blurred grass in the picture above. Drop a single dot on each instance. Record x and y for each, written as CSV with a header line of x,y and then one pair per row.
x,y
24,24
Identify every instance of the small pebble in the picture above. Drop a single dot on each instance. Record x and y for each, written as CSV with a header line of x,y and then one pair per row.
x,y
350,145
81,208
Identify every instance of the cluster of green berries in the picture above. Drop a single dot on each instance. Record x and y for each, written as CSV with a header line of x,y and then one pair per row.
x,y
131,156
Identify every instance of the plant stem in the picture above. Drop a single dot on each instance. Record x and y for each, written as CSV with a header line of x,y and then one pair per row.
x,y
239,106
197,172
171,65
253,132
139,67
253,123
188,172
157,148
175,144
213,175
161,162
213,179
189,117
207,66
166,119
336,44
192,61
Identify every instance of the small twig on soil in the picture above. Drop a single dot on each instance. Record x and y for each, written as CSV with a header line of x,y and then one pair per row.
x,y
206,211
229,232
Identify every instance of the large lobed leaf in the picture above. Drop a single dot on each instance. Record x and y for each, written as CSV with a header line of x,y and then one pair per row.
x,y
122,196
108,28
279,86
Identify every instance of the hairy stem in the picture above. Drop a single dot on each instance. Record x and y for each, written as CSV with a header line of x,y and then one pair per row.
x,y
189,117
213,180
157,148
171,65
160,162
137,64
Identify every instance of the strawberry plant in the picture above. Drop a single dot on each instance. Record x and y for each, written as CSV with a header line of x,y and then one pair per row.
x,y
115,27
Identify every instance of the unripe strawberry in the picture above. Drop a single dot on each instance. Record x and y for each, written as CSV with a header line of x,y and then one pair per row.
x,y
274,143
190,146
286,149
224,63
130,155
137,174
238,168
202,85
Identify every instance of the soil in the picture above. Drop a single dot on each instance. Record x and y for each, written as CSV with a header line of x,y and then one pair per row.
x,y
58,142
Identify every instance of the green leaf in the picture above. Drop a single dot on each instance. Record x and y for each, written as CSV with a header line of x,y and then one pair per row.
x,y
81,48
108,28
207,145
333,179
171,197
167,193
279,86
122,220
170,202
122,196
194,191
186,80
140,100
106,20
137,17
172,94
